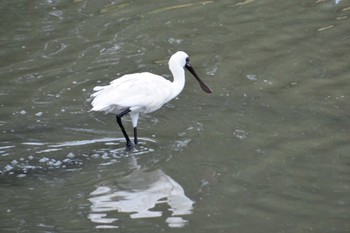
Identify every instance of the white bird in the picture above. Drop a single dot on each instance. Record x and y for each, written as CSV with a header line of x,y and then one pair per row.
x,y
143,93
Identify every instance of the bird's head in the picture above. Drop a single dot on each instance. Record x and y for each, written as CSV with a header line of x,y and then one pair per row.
x,y
182,59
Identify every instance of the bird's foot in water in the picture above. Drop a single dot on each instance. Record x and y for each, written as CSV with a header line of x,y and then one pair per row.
x,y
129,146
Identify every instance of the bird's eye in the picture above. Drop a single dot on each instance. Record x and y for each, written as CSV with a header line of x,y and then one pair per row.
x,y
187,60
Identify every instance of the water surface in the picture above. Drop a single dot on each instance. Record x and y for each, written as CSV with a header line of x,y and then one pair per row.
x,y
268,151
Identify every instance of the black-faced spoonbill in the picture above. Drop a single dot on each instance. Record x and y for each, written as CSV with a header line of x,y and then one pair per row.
x,y
143,93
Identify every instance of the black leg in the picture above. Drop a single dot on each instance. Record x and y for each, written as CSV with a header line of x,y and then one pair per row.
x,y
135,136
119,120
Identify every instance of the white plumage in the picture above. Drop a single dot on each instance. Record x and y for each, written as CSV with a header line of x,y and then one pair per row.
x,y
139,92
142,92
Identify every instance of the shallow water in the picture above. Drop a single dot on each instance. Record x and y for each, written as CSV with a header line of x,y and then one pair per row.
x,y
268,151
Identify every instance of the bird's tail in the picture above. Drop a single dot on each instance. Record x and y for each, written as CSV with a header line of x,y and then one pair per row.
x,y
96,90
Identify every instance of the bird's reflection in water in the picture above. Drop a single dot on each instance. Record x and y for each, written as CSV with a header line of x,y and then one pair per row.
x,y
137,194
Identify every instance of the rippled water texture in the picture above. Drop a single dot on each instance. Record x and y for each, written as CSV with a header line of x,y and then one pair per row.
x,y
268,151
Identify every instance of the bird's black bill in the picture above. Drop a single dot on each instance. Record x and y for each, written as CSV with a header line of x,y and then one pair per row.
x,y
201,83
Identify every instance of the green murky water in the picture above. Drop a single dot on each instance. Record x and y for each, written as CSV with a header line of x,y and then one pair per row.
x,y
268,151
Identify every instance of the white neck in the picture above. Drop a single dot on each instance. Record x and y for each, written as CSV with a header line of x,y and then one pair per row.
x,y
179,79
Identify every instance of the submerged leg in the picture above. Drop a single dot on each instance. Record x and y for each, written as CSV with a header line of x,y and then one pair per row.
x,y
119,120
135,135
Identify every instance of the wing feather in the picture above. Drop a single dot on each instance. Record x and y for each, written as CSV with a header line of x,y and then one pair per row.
x,y
145,92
